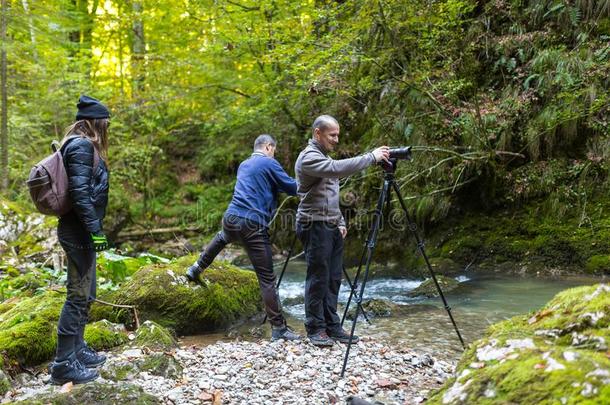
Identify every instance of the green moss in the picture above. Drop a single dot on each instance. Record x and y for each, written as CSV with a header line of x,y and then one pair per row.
x,y
162,365
103,335
162,294
96,393
154,336
28,328
564,359
120,371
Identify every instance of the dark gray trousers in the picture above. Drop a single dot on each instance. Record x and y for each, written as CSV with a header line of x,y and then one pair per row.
x,y
255,238
323,246
81,287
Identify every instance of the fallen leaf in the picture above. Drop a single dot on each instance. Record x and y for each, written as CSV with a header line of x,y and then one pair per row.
x,y
217,398
332,399
67,387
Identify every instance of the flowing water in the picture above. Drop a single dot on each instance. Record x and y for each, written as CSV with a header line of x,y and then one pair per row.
x,y
423,324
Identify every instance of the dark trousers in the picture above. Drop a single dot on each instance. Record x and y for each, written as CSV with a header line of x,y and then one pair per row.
x,y
255,238
81,291
323,245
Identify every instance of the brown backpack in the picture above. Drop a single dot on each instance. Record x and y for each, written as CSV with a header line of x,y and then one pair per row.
x,y
48,182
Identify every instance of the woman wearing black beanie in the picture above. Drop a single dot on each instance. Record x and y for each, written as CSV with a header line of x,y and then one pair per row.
x,y
80,233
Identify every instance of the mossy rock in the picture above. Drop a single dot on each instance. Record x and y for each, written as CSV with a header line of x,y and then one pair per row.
x,y
428,288
555,355
374,308
5,383
161,364
162,294
155,337
104,335
120,370
28,329
96,393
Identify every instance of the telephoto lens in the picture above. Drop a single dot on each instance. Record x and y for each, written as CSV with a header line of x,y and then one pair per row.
x,y
403,153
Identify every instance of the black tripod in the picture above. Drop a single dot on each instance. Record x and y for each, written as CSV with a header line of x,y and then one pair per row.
x,y
384,197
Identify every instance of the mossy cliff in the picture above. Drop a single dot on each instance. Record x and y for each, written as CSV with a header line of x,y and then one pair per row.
x,y
557,355
161,293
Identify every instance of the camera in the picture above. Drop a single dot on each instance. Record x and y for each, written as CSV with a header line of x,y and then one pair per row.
x,y
403,153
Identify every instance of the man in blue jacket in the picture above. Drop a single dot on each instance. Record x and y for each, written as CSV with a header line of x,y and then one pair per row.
x,y
246,220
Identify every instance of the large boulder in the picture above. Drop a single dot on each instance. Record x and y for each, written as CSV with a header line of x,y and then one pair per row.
x,y
28,330
556,355
161,293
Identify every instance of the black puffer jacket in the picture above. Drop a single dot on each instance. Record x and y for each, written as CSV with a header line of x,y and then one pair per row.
x,y
88,193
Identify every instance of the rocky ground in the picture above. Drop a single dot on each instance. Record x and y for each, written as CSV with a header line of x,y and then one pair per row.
x,y
260,372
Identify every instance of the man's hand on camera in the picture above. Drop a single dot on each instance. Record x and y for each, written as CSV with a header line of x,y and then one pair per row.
x,y
343,231
381,153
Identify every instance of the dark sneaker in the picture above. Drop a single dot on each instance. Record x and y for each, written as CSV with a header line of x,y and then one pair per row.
x,y
342,336
320,339
89,357
193,272
283,332
71,370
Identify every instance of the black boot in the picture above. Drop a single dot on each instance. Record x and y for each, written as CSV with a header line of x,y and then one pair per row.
x,y
89,357
193,273
71,370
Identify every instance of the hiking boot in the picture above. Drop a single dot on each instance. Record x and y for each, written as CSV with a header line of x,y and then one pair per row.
x,y
283,332
89,357
342,336
71,370
320,339
193,272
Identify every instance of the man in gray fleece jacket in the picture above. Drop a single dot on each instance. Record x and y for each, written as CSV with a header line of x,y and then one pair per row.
x,y
321,226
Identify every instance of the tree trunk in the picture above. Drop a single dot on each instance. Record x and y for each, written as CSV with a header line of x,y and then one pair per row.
x,y
83,37
138,48
26,9
3,90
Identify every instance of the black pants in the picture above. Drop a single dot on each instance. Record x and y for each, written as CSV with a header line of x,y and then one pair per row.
x,y
81,290
323,245
255,238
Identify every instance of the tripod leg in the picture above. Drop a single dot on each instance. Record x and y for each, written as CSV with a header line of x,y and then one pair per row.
x,y
353,288
370,249
279,281
420,246
355,285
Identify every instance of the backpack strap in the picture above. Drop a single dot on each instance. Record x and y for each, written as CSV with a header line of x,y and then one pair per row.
x,y
55,146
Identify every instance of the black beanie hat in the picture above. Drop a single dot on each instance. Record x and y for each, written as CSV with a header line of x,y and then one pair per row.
x,y
90,108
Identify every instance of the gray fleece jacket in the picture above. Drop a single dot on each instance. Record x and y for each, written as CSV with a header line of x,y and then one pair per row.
x,y
318,177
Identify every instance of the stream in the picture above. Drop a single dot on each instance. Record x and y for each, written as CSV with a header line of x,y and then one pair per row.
x,y
423,324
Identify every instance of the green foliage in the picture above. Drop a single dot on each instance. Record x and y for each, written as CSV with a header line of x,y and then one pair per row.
x,y
489,93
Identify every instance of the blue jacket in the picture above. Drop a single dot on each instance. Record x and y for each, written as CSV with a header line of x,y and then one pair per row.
x,y
259,179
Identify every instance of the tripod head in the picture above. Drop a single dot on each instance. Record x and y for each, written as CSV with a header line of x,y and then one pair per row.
x,y
390,166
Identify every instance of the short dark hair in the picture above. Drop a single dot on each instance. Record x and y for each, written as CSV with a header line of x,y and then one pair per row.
x,y
323,122
263,140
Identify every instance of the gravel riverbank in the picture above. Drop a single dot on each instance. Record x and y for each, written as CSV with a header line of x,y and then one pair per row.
x,y
265,372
